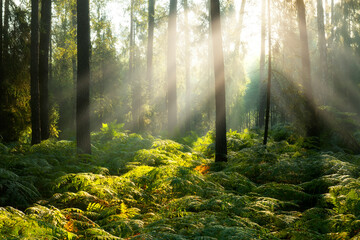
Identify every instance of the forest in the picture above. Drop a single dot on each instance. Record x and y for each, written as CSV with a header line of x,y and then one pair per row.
x,y
189,119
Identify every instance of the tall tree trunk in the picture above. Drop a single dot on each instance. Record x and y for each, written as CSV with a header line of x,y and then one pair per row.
x,y
210,83
171,70
134,87
332,21
310,117
1,47
262,67
240,24
6,30
71,122
322,48
219,69
83,78
268,90
45,32
150,48
187,70
34,72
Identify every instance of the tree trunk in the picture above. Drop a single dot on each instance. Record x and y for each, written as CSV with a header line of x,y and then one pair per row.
x,y
262,67
220,106
187,69
34,72
6,30
240,25
210,83
83,78
71,113
150,48
322,48
1,48
45,33
171,70
310,117
268,90
134,87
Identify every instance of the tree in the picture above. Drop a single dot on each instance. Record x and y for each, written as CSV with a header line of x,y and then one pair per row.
x,y
83,78
310,117
45,29
220,106
322,44
34,72
262,66
150,47
187,69
171,69
134,87
1,44
268,90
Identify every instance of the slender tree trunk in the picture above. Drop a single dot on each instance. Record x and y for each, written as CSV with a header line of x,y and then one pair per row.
x,y
6,29
71,122
34,72
332,21
240,25
83,78
219,69
262,67
268,90
150,48
210,83
322,48
311,119
171,70
1,57
45,32
134,87
1,47
187,69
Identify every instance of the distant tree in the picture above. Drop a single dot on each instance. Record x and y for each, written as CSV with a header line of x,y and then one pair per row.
x,y
219,70
45,32
240,24
268,90
322,46
150,47
83,78
262,66
134,87
34,72
171,69
310,117
187,69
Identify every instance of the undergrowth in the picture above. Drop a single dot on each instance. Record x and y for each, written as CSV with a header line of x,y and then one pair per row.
x,y
142,187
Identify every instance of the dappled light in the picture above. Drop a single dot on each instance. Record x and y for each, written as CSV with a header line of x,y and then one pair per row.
x,y
180,119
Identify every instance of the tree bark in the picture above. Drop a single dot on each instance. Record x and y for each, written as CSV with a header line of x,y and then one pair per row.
x,y
34,72
187,69
268,90
262,67
310,117
219,70
45,33
171,70
83,78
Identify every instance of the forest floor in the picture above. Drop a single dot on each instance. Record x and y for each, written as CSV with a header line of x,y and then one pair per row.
x,y
143,187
